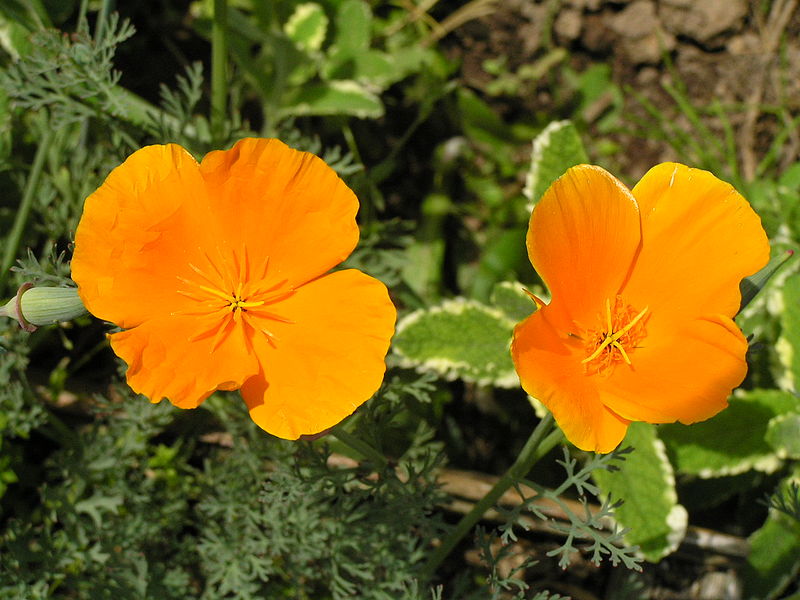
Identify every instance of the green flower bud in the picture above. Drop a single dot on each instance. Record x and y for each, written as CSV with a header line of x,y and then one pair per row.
x,y
33,306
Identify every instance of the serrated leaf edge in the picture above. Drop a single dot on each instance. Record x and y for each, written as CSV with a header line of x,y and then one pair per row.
x,y
781,452
677,520
540,143
447,368
301,12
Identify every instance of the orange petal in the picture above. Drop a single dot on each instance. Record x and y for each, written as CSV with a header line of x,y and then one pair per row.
x,y
135,234
164,363
583,238
282,204
682,372
700,238
327,361
550,370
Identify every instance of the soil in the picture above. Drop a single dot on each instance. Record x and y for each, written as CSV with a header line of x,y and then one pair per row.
x,y
740,55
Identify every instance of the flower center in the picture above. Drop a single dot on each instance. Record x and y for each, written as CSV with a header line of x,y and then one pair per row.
x,y
621,330
236,301
228,293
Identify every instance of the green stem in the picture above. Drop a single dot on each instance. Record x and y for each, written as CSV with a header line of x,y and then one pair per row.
x,y
538,444
361,447
106,8
21,219
219,69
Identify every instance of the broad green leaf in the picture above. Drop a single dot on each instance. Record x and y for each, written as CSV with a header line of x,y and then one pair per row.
x,y
788,345
459,339
366,66
503,255
790,178
353,26
423,269
307,26
646,483
483,125
425,256
705,494
511,298
333,98
555,150
783,434
18,18
5,127
774,558
14,37
412,59
733,441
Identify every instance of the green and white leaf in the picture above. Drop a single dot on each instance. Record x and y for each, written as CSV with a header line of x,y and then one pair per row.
x,y
646,482
348,98
788,345
307,26
511,299
14,37
783,434
350,56
365,66
774,559
734,441
459,338
555,150
353,26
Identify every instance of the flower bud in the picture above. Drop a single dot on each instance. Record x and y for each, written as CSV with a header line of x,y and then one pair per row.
x,y
33,306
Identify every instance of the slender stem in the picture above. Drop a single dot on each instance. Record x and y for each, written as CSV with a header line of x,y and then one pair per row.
x,y
367,210
83,10
360,446
219,68
21,219
536,447
551,441
106,8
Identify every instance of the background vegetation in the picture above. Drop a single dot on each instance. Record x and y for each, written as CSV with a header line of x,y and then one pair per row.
x,y
428,110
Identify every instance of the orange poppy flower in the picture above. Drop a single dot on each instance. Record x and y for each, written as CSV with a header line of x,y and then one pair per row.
x,y
216,272
644,285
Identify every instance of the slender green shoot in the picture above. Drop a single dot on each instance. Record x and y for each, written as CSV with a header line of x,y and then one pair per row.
x,y
21,219
361,447
219,69
731,154
106,8
541,441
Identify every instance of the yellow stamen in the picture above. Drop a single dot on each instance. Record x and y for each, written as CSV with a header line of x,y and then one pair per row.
x,y
233,297
606,342
233,301
242,304
612,336
633,322
216,293
624,354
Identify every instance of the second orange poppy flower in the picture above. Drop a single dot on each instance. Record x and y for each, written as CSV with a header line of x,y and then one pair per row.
x,y
644,285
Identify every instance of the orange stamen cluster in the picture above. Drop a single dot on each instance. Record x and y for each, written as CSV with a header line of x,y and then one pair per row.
x,y
622,330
